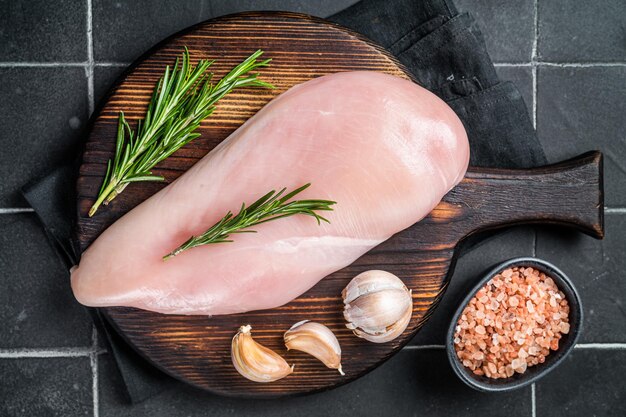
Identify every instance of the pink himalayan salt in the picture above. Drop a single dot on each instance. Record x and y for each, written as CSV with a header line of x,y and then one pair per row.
x,y
512,323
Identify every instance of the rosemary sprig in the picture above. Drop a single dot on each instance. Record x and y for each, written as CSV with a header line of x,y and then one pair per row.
x,y
182,98
271,206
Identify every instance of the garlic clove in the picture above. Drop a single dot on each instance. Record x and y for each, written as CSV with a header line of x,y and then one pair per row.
x,y
378,310
317,340
377,306
254,361
371,281
389,333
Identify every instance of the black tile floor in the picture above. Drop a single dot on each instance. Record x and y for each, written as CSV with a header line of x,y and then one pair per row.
x,y
37,131
36,303
508,27
58,59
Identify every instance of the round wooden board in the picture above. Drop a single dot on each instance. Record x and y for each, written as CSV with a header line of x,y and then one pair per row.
x,y
196,349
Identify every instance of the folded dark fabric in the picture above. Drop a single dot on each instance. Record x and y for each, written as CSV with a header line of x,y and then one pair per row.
x,y
445,52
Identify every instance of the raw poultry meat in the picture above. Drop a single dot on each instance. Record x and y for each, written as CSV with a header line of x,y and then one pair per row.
x,y
385,149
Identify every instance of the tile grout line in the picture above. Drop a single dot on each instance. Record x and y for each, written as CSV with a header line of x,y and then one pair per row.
x,y
112,64
41,64
603,346
533,400
90,61
533,54
423,347
15,210
512,64
85,64
580,64
533,60
60,352
533,71
93,361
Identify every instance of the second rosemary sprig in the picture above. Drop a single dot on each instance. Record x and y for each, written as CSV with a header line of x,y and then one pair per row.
x,y
271,206
182,98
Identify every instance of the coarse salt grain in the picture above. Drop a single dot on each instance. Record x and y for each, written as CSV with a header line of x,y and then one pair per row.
x,y
512,323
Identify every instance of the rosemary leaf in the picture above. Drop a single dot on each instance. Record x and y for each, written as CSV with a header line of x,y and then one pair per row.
x,y
271,206
183,97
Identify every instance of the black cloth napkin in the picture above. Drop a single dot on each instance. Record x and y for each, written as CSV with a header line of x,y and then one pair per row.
x,y
445,52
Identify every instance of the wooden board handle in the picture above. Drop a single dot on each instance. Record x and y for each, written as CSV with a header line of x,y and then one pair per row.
x,y
568,193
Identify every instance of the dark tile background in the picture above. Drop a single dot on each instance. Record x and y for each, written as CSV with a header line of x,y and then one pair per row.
x,y
580,98
46,387
589,383
508,27
414,382
578,31
36,303
43,31
38,132
585,108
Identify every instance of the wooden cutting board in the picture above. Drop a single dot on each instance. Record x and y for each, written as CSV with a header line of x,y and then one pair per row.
x,y
196,349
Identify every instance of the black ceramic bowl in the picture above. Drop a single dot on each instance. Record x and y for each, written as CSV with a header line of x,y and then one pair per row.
x,y
533,373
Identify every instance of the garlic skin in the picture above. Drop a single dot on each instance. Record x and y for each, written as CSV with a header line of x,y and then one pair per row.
x,y
254,361
317,340
377,306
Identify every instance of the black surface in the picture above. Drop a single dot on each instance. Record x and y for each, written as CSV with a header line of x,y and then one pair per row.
x,y
578,109
42,114
584,108
414,382
51,387
320,8
104,79
598,389
43,31
125,29
508,27
582,31
36,306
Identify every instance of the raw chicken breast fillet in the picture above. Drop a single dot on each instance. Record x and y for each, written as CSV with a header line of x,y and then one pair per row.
x,y
385,149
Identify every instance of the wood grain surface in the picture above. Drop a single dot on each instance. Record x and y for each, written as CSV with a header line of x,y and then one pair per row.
x,y
196,349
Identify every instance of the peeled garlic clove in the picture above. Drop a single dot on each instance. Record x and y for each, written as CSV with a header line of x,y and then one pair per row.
x,y
377,306
254,361
317,340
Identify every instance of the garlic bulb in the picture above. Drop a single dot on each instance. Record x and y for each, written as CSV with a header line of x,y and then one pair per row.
x,y
256,362
317,340
377,306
